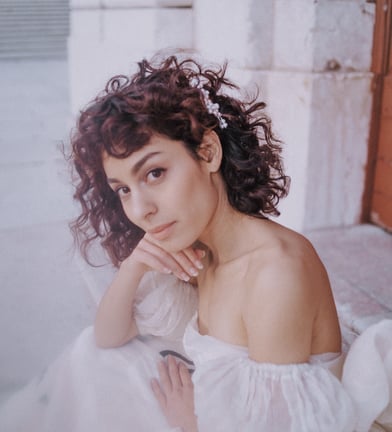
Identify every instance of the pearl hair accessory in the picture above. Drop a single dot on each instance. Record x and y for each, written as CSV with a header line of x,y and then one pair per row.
x,y
212,108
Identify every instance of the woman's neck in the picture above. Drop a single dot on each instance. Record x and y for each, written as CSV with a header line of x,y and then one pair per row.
x,y
225,234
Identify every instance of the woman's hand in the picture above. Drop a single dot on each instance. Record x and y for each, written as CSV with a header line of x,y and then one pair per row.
x,y
114,323
150,256
174,393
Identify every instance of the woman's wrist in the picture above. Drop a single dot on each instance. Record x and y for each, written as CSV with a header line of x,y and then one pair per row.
x,y
134,268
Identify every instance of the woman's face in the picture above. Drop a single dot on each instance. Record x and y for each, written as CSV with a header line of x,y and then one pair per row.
x,y
165,191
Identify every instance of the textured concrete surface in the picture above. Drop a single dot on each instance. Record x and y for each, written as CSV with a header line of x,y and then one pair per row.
x,y
359,262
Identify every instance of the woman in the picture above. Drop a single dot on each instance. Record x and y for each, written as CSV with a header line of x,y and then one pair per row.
x,y
178,179
191,166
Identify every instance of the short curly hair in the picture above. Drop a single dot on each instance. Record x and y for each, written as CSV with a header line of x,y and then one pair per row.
x,y
161,99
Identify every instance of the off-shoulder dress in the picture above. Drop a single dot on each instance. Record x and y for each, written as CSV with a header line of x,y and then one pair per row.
x,y
88,389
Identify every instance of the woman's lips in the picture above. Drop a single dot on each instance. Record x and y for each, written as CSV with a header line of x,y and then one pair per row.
x,y
161,232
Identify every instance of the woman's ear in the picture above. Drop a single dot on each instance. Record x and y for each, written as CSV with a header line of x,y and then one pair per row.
x,y
210,151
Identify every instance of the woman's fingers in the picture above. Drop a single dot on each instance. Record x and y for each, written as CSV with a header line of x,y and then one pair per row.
x,y
160,396
164,378
174,392
174,373
185,376
188,267
173,377
184,264
164,261
195,256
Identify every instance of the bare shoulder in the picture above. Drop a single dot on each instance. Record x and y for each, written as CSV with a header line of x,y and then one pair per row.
x,y
288,262
282,296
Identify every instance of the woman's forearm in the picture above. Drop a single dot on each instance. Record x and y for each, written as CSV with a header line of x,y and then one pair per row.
x,y
114,323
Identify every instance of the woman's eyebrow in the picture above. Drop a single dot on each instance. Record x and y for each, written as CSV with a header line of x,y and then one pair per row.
x,y
112,180
139,164
137,167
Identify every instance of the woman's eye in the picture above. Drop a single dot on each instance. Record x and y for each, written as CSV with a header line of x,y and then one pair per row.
x,y
122,191
155,174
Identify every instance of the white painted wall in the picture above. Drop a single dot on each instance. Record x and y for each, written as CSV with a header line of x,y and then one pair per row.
x,y
310,59
109,36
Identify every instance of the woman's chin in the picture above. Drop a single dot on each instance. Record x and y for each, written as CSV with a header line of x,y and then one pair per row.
x,y
175,246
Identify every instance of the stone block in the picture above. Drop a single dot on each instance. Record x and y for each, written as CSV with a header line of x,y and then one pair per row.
x,y
83,4
84,59
343,35
146,3
323,121
141,30
240,32
323,35
338,146
288,100
293,34
120,37
288,96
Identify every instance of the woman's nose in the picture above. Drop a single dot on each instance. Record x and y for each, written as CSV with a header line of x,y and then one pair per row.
x,y
141,207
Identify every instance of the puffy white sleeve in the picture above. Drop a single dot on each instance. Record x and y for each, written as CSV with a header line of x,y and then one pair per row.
x,y
164,305
243,395
367,376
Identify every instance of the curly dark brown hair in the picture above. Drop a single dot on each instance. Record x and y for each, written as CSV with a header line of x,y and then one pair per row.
x,y
161,99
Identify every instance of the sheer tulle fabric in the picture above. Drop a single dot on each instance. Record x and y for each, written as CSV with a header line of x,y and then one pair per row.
x,y
90,389
235,393
367,376
164,305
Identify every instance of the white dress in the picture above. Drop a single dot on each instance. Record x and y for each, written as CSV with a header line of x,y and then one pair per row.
x,y
88,389
234,393
94,390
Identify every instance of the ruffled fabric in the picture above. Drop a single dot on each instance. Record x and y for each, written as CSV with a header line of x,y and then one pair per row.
x,y
367,376
164,305
234,393
88,389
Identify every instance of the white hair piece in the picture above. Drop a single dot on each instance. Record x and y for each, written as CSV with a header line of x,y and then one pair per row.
x,y
212,108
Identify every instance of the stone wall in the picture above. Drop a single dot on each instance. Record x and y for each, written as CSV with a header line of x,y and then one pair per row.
x,y
109,36
309,58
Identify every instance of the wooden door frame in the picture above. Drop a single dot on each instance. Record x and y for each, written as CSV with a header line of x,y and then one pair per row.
x,y
380,61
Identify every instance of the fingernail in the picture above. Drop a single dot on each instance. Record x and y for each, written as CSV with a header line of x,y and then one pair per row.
x,y
185,277
203,253
193,272
167,270
199,264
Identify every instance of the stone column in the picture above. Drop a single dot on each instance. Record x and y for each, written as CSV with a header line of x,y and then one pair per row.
x,y
311,61
334,74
